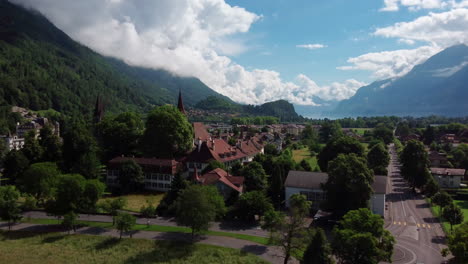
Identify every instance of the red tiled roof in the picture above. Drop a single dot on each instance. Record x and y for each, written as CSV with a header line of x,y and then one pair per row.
x,y
216,149
200,131
220,175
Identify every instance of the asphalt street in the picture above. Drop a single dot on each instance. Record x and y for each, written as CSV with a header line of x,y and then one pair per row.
x,y
419,235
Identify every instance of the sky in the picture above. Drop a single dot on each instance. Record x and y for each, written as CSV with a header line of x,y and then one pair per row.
x,y
256,51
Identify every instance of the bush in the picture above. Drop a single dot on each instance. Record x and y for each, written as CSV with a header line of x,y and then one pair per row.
x,y
30,203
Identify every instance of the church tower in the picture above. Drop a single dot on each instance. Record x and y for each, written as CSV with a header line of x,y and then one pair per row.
x,y
180,104
98,110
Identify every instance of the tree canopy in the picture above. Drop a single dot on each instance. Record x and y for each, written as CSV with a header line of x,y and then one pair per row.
x,y
415,163
378,159
341,145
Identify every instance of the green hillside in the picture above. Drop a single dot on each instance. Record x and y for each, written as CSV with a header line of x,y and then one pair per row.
x,y
42,68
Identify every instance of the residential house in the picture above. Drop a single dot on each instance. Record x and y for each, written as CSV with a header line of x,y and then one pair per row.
x,y
158,173
438,159
448,178
13,142
309,184
226,184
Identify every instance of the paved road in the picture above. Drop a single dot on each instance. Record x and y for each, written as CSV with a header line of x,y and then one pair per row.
x,y
418,233
216,226
268,253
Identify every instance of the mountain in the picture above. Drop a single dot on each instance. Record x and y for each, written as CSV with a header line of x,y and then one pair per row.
x,y
43,68
439,86
281,108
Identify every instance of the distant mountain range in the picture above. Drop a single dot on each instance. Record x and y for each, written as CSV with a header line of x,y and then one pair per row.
x,y
439,86
42,68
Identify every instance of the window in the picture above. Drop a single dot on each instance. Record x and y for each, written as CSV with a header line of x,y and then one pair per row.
x,y
167,177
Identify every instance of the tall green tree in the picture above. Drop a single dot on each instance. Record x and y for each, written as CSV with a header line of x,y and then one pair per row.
x,y
40,180
318,251
415,163
9,208
442,199
341,145
120,135
92,192
458,243
113,206
378,159
276,190
69,193
460,156
131,176
168,133
14,165
330,131
251,204
32,149
384,133
361,238
51,145
255,177
124,222
290,233
429,135
348,186
69,221
453,214
177,185
194,209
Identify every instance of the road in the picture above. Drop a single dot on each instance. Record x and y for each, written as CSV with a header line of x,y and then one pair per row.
x,y
418,233
232,227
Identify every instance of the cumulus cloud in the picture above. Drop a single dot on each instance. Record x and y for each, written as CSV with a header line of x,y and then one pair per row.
x,y
436,30
186,37
311,46
415,5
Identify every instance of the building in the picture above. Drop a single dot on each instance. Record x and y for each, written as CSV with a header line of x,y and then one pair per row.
x,y
13,142
448,178
309,184
226,184
158,173
180,104
438,159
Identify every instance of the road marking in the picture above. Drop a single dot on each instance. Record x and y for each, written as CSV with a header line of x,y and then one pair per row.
x,y
424,225
404,223
403,205
394,222
429,226
418,225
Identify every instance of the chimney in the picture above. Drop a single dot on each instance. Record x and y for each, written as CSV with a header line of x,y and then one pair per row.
x,y
199,144
213,143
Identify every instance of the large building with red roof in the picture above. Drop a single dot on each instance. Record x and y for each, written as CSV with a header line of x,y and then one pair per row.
x,y
225,183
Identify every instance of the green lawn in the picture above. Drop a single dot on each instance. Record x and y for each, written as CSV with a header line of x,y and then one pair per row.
x,y
446,225
136,201
304,154
157,228
361,131
52,248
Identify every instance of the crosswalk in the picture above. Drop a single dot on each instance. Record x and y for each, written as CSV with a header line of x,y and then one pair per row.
x,y
403,223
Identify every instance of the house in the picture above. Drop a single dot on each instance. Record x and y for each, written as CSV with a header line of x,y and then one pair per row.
x,y
438,159
448,178
13,142
226,184
448,138
309,184
158,173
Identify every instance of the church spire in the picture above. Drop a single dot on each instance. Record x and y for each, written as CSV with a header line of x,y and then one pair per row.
x,y
180,104
98,110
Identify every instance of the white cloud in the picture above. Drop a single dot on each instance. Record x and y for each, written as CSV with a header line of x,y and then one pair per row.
x,y
187,37
311,46
437,30
415,5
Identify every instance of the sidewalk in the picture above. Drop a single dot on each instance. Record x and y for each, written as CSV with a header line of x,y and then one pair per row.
x,y
268,253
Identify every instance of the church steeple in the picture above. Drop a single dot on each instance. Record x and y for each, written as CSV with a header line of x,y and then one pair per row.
x,y
180,104
98,110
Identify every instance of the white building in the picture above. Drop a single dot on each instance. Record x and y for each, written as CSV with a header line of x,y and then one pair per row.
x,y
448,178
13,142
309,184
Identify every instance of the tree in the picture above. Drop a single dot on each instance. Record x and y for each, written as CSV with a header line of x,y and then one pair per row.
x,y
131,176
255,177
442,199
348,186
378,159
148,211
51,145
168,133
79,151
31,149
120,135
458,243
384,133
341,145
318,251
429,135
291,232
216,200
69,193
236,168
361,238
277,186
414,162
193,209
9,208
69,221
460,156
112,206
251,204
431,187
271,149
40,180
330,131
453,214
124,222
305,165
214,164
14,165
93,191
177,185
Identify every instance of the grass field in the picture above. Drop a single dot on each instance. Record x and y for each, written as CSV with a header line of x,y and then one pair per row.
x,y
462,204
361,131
32,248
136,201
157,228
304,154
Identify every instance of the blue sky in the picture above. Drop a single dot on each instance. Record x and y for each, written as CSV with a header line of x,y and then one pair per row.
x,y
344,26
248,49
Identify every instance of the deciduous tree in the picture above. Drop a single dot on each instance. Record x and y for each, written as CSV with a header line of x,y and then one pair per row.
x,y
378,159
124,222
9,208
131,176
415,163
255,177
251,204
341,145
318,251
40,180
453,214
